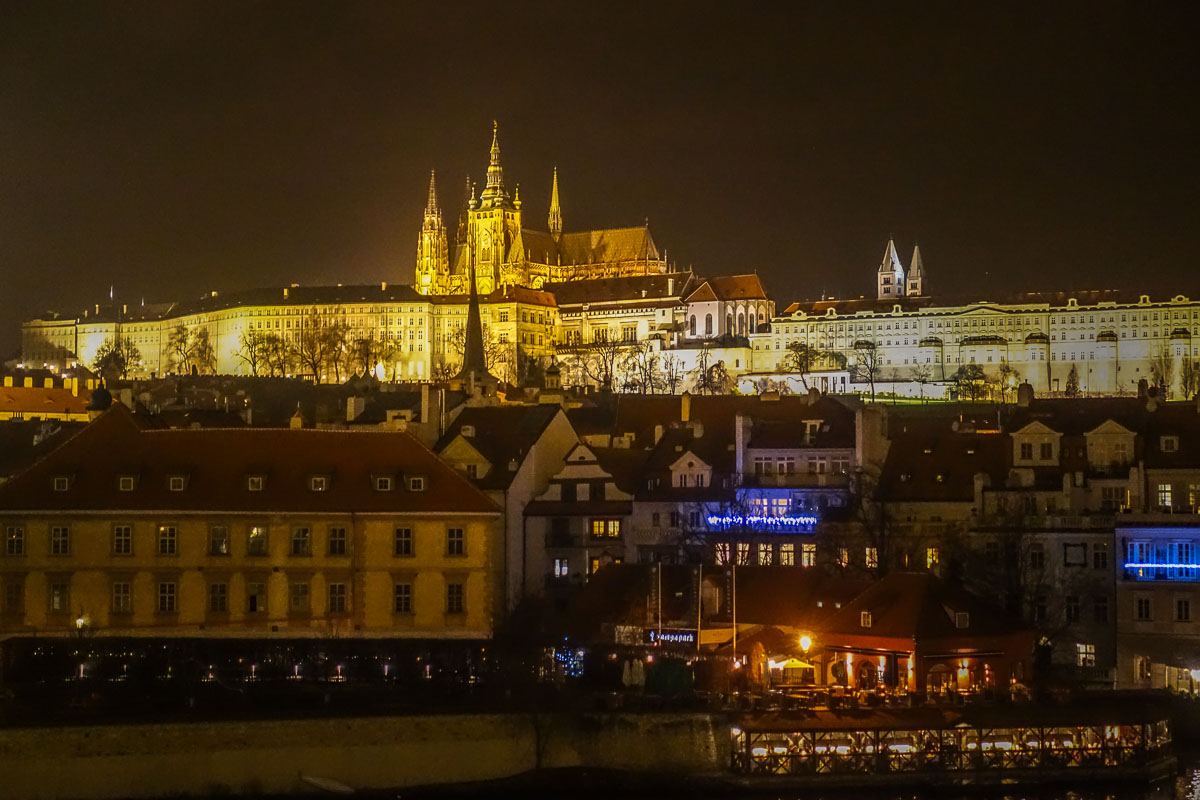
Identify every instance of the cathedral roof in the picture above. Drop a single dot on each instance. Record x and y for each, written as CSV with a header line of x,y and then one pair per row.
x,y
590,247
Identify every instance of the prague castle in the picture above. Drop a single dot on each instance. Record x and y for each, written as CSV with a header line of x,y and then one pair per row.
x,y
492,237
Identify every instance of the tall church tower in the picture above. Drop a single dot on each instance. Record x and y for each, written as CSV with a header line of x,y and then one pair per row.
x,y
891,274
916,275
494,226
555,220
433,260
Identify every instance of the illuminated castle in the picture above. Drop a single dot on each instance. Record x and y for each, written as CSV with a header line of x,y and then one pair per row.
x,y
491,235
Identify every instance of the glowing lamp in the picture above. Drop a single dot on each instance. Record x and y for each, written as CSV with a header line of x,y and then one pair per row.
x,y
805,642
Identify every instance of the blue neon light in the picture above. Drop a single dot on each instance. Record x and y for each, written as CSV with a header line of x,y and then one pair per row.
x,y
786,522
1157,565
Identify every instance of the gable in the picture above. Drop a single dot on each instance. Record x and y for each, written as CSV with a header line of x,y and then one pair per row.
x,y
1036,429
1109,428
460,450
689,461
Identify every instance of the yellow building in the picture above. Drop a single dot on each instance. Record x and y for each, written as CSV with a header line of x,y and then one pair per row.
x,y
246,532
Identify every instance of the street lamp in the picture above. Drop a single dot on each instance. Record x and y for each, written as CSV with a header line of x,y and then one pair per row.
x,y
805,642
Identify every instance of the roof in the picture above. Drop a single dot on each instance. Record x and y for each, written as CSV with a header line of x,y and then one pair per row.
x,y
729,287
22,442
671,285
914,607
217,462
931,460
502,434
33,400
1045,299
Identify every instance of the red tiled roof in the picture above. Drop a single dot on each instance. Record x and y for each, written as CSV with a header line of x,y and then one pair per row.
x,y
34,400
216,464
730,287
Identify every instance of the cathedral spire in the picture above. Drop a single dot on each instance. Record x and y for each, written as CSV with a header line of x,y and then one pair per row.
x,y
890,278
916,274
431,207
495,173
555,209
474,363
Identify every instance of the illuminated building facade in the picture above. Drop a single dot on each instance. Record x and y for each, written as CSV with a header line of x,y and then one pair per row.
x,y
246,532
491,236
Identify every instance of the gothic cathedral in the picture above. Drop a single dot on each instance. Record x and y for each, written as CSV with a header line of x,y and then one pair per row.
x,y
491,239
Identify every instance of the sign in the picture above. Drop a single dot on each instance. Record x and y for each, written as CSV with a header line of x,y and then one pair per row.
x,y
670,636
786,523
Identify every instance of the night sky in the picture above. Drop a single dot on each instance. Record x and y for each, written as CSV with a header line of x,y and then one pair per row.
x,y
172,148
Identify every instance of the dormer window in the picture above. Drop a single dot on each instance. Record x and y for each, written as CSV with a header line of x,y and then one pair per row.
x,y
467,430
126,483
62,483
416,484
383,483
1169,444
254,483
318,483
962,619
864,619
177,483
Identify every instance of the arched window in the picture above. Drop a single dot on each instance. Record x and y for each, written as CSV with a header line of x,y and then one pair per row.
x,y
708,324
729,322
692,326
741,324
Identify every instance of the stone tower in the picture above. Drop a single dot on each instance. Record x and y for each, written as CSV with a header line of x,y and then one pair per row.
x,y
916,275
433,258
494,226
891,274
555,220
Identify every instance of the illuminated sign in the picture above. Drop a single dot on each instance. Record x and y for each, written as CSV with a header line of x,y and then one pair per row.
x,y
785,523
670,636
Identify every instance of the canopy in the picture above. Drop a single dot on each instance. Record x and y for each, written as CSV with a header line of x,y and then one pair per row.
x,y
789,663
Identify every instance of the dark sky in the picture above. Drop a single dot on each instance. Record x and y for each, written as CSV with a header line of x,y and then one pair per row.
x,y
171,148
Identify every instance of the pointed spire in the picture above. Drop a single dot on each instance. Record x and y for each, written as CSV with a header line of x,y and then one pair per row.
x,y
474,363
431,207
555,209
891,259
917,267
495,173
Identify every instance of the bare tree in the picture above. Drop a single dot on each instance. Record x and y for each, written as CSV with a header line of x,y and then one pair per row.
x,y
316,341
640,369
1189,376
867,364
672,373
1009,377
115,359
1072,389
252,350
189,350
1162,369
278,354
921,374
971,381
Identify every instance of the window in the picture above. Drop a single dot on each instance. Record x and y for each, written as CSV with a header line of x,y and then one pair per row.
x,y
787,555
610,528
1071,608
742,549
122,544
1169,444
1100,608
256,543
655,519
1085,654
301,542
218,540
562,568
166,597
1039,608
1183,610
337,541
14,596
931,557
61,483
843,557
122,598
1047,451
176,483
218,597
383,484
318,483
402,596
403,542
456,543
1144,610
721,553
1026,451
1037,557
1164,496
60,597
125,483
256,597
1075,555
254,483
298,598
962,619
472,470
14,540
864,619
871,558
60,540
416,484
168,540
808,555
1100,556
454,598
338,602
766,554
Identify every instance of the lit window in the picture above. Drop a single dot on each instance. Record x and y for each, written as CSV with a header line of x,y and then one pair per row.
x,y
561,568
318,483
1164,496
218,540
931,557
14,540
765,554
256,543
743,554
168,540
609,528
843,557
721,553
787,555
808,555
1085,654
864,619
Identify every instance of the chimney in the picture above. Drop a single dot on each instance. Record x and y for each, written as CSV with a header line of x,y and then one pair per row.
x,y
1025,394
354,407
741,438
297,420
75,386
658,433
670,286
1152,399
383,286
685,406
424,403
